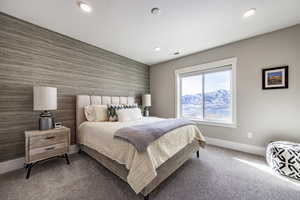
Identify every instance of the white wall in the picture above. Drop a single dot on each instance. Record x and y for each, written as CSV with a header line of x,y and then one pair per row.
x,y
268,114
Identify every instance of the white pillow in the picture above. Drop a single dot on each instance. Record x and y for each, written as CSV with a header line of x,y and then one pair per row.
x,y
129,114
96,113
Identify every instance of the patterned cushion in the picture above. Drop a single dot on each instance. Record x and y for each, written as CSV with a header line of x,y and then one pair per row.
x,y
130,105
111,112
284,158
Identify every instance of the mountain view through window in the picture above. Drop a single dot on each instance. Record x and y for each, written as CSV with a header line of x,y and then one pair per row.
x,y
207,96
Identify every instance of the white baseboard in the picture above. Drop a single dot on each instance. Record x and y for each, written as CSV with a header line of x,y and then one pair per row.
x,y
18,163
11,165
236,146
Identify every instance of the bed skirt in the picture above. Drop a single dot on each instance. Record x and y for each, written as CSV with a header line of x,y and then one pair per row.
x,y
163,172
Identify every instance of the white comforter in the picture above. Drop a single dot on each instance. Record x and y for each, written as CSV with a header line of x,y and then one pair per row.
x,y
141,166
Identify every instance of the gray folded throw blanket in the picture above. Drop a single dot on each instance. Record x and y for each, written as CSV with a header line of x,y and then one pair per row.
x,y
140,136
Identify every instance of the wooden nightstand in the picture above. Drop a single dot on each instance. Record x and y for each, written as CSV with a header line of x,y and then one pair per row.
x,y
41,145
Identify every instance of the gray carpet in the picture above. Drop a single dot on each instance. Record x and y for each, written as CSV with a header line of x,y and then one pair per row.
x,y
218,175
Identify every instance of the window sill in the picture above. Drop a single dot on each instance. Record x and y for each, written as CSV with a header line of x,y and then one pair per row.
x,y
207,123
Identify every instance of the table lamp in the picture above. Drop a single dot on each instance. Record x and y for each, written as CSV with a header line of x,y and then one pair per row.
x,y
146,103
45,99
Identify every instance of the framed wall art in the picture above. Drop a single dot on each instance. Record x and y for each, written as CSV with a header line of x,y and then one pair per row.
x,y
275,78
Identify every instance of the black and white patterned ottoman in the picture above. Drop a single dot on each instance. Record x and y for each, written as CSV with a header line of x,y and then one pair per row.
x,y
284,158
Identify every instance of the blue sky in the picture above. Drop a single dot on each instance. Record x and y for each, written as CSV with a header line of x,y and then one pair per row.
x,y
213,81
274,74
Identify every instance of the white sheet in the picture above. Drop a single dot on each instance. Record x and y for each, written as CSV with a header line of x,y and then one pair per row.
x,y
141,166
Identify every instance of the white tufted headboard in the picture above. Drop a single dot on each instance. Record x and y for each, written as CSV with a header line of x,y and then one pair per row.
x,y
84,100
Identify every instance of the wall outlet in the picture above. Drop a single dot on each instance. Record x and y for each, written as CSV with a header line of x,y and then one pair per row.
x,y
250,135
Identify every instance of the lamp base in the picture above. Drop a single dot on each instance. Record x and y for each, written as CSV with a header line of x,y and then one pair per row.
x,y
46,121
146,112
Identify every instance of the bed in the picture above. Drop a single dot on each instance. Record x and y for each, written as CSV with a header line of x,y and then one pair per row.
x,y
142,171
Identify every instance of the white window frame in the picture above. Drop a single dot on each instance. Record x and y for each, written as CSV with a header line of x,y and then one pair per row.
x,y
204,67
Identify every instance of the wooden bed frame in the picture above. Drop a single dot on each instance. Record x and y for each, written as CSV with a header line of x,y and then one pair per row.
x,y
163,172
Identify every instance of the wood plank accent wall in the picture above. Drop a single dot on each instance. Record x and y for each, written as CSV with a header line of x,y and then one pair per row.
x,y
34,56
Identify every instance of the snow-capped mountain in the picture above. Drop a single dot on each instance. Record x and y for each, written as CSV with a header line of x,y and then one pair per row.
x,y
217,98
217,105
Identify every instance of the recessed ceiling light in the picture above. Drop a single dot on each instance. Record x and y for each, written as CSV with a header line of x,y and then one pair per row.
x,y
157,49
176,53
85,7
155,11
249,13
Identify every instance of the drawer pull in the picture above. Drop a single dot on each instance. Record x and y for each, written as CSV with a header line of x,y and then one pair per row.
x,y
50,137
49,148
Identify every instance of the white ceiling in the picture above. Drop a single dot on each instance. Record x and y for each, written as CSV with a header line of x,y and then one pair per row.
x,y
128,28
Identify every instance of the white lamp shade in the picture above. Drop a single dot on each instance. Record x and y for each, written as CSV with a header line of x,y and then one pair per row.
x,y
146,100
44,98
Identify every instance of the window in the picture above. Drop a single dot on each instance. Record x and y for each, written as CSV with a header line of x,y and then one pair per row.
x,y
206,93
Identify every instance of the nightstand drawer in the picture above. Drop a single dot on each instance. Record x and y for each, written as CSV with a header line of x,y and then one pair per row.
x,y
48,139
48,151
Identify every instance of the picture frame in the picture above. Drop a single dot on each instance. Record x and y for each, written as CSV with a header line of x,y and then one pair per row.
x,y
275,78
